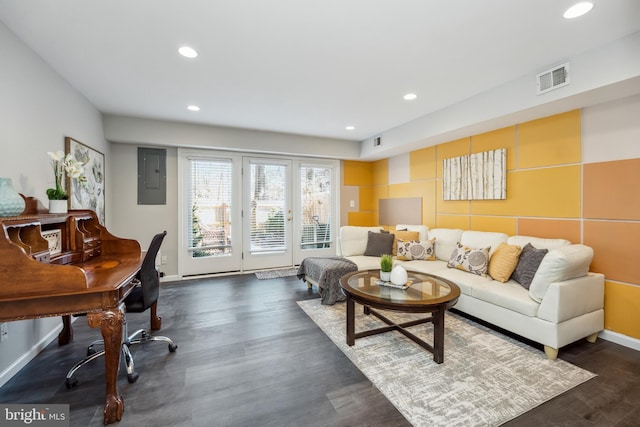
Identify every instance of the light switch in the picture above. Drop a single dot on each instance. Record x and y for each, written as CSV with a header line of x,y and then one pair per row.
x,y
352,203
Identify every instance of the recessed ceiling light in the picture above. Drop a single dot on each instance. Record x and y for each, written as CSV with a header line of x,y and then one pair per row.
x,y
410,96
578,9
193,108
187,52
350,127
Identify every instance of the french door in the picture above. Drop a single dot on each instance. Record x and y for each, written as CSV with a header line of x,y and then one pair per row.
x,y
243,213
209,231
267,213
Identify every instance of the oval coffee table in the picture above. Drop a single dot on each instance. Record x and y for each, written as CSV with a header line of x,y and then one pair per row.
x,y
427,294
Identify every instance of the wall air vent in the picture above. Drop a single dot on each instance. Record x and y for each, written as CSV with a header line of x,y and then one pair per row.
x,y
377,141
553,79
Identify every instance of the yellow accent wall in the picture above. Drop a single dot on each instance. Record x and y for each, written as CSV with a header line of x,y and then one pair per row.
x,y
357,173
622,308
550,141
494,140
422,164
460,147
548,188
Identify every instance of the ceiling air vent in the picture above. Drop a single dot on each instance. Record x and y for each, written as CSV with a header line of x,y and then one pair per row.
x,y
553,78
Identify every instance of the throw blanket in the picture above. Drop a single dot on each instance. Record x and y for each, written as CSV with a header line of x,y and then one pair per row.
x,y
326,272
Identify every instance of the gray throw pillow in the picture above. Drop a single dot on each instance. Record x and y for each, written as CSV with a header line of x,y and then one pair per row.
x,y
379,244
528,263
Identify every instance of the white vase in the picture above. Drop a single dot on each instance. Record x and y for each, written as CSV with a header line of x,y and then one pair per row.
x,y
57,206
385,276
399,275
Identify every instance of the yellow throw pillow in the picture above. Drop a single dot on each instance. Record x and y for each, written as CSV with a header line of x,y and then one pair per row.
x,y
403,235
503,261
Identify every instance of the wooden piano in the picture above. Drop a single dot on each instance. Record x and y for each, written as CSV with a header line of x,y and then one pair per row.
x,y
79,268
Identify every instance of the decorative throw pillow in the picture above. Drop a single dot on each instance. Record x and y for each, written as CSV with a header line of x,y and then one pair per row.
x,y
504,261
528,264
416,249
379,244
403,235
469,259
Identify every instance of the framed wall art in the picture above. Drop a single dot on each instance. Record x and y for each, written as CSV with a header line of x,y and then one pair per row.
x,y
91,194
479,176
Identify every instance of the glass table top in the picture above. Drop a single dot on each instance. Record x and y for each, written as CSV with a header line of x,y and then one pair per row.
x,y
424,288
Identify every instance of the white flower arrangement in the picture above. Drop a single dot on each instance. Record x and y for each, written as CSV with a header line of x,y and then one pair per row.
x,y
64,164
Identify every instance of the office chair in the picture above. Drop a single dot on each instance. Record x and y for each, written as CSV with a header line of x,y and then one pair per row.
x,y
143,297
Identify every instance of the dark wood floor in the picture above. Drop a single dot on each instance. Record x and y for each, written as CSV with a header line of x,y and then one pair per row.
x,y
248,356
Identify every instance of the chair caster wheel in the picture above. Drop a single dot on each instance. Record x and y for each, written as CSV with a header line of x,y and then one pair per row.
x,y
172,348
71,382
132,378
90,351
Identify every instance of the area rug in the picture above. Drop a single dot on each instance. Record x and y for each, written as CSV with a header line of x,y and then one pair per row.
x,y
274,274
486,379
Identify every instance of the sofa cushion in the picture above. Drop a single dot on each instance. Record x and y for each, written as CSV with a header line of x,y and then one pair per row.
x,y
465,281
366,262
424,266
509,295
446,241
473,260
416,249
353,239
403,235
482,239
564,263
422,230
537,242
379,244
503,261
530,259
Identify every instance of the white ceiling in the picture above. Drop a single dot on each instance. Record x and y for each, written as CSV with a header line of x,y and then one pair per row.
x,y
301,66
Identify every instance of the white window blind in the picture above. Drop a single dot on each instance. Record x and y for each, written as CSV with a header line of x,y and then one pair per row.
x,y
209,198
268,204
315,197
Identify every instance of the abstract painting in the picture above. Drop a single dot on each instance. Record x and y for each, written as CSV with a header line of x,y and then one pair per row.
x,y
89,195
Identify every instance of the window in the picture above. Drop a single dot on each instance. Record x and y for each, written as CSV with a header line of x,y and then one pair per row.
x,y
209,225
317,210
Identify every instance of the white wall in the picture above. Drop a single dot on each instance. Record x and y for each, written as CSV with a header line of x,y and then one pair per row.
x,y
611,131
190,135
38,109
142,222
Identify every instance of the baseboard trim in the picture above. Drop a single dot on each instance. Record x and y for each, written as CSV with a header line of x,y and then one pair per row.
x,y
26,357
621,339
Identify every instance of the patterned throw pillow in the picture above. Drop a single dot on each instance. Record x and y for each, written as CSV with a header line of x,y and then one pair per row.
x,y
416,249
528,264
503,261
403,235
469,259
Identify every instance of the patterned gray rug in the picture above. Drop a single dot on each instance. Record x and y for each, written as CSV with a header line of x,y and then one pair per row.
x,y
486,379
274,274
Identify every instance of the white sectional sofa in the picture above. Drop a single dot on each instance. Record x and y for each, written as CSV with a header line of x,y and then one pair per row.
x,y
564,302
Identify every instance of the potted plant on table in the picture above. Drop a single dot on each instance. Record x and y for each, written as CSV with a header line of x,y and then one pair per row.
x,y
63,164
386,264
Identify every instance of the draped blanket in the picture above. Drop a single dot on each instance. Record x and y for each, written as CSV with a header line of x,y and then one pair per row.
x,y
326,273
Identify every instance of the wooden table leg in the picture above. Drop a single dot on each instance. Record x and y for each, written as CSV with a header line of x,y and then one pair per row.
x,y
351,339
438,335
156,321
66,334
111,324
